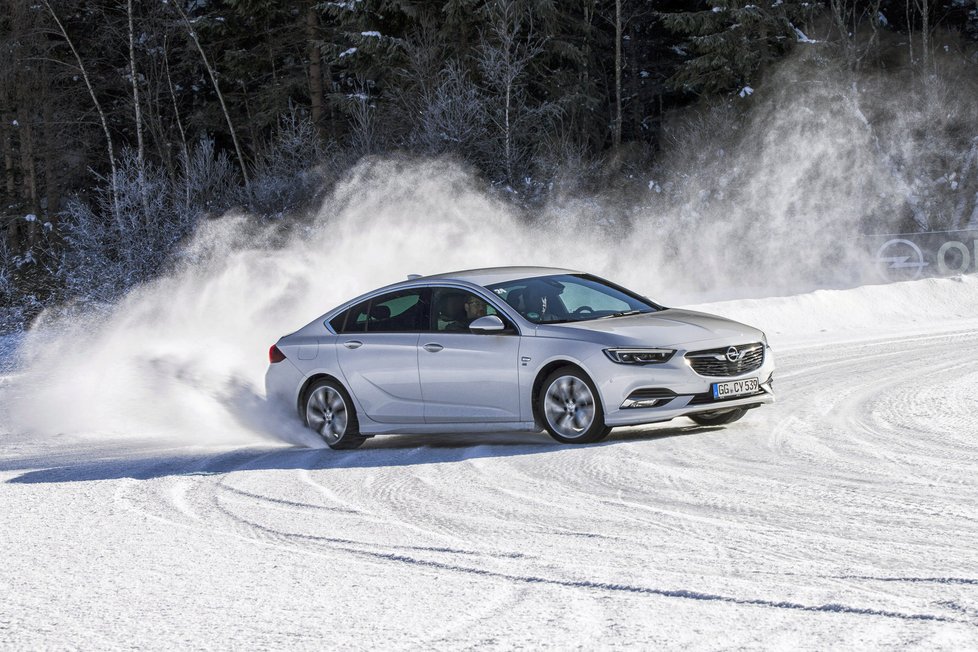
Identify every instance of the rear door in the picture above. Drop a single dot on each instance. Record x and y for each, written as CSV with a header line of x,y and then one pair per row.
x,y
465,377
377,350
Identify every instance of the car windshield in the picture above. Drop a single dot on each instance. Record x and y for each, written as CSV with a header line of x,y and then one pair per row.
x,y
565,298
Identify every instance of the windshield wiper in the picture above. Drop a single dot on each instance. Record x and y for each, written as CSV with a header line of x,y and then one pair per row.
x,y
625,313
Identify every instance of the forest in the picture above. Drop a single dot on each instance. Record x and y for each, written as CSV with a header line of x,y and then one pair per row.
x,y
125,124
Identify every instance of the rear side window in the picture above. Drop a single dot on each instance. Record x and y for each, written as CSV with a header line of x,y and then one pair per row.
x,y
339,321
399,312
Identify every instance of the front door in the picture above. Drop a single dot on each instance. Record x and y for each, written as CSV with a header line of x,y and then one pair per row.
x,y
465,377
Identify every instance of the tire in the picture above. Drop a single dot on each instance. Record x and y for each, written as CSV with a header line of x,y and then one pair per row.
x,y
570,409
720,418
330,413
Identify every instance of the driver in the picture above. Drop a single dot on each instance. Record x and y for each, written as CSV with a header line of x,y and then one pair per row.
x,y
474,308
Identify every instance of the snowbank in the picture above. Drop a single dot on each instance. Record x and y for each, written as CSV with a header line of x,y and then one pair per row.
x,y
912,307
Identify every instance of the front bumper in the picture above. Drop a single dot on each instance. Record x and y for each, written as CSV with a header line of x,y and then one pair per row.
x,y
690,392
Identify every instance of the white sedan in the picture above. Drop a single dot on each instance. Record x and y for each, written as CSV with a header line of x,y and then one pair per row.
x,y
514,349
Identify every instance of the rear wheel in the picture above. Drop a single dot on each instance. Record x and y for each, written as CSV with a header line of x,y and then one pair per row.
x,y
720,418
570,408
329,411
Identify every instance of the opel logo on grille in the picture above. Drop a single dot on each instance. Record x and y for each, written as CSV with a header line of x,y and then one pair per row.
x,y
733,355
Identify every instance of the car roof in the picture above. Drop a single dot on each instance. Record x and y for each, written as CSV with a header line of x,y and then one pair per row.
x,y
489,275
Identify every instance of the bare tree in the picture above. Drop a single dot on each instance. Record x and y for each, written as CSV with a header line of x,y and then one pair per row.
x,y
848,16
184,148
508,48
134,78
8,159
923,8
362,123
315,64
98,106
452,117
217,89
616,132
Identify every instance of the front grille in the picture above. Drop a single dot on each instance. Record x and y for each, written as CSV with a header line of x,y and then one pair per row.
x,y
715,362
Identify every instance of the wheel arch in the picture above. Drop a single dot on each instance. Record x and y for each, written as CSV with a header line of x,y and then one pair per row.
x,y
542,374
300,402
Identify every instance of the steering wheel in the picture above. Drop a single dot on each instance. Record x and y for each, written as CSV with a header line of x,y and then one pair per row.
x,y
583,310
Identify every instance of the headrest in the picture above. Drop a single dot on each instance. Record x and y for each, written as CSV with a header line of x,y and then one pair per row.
x,y
380,312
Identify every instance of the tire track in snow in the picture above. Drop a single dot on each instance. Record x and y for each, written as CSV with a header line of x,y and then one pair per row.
x,y
719,504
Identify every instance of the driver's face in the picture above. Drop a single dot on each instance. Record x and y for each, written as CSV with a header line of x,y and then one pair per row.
x,y
475,308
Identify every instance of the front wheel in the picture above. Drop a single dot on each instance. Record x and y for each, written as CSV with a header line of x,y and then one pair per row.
x,y
330,413
718,418
570,408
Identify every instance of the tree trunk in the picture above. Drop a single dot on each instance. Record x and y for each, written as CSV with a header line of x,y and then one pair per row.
x,y
616,132
140,146
315,66
30,180
185,149
220,96
52,185
8,162
507,135
98,107
910,32
925,34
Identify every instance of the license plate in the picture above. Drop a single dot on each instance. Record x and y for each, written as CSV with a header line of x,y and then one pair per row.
x,y
733,388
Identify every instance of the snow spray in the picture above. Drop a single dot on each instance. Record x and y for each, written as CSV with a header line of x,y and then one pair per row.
x,y
771,206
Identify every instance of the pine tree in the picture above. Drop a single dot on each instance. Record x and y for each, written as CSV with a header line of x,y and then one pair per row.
x,y
729,41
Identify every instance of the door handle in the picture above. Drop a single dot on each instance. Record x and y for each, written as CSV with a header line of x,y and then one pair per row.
x,y
431,347
352,344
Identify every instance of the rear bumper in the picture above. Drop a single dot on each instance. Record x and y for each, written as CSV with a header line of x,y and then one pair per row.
x,y
282,382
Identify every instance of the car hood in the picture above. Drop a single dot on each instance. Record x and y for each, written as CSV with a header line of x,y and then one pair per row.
x,y
670,327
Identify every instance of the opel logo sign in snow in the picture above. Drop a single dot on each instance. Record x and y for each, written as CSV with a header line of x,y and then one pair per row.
x,y
900,259
908,256
733,355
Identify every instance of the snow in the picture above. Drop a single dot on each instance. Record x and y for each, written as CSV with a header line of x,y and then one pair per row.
x,y
370,34
346,53
746,91
842,516
8,350
802,38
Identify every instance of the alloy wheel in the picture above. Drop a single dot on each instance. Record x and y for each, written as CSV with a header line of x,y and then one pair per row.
x,y
569,406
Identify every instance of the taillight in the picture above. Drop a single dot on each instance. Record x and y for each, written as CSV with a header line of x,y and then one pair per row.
x,y
275,354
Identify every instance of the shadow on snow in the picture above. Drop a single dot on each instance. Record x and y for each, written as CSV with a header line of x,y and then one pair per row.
x,y
106,462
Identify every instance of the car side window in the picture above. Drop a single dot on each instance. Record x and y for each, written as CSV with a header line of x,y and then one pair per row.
x,y
339,321
453,309
398,312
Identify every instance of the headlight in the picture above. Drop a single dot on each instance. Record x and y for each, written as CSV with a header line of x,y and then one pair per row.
x,y
639,356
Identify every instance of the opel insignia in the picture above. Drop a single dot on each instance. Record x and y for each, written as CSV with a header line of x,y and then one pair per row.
x,y
514,349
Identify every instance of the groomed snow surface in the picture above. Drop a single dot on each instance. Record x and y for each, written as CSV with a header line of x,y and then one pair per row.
x,y
843,516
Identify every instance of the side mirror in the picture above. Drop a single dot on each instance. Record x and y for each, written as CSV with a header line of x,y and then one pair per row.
x,y
488,325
